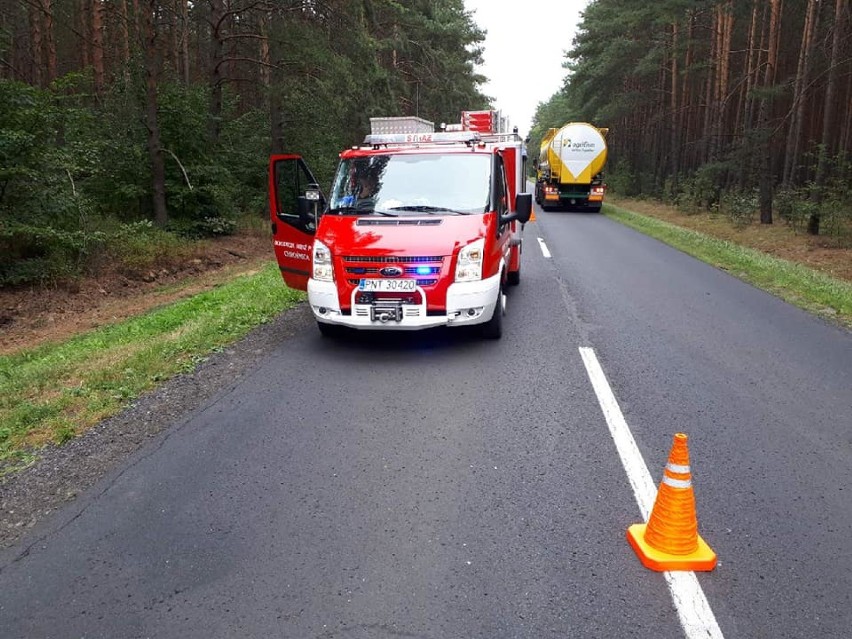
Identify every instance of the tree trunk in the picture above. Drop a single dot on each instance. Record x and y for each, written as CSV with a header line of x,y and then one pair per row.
x,y
726,66
49,42
841,13
265,59
153,62
82,30
846,126
35,45
745,111
673,132
217,47
123,32
726,26
97,44
742,123
791,157
828,133
184,44
709,90
766,177
685,120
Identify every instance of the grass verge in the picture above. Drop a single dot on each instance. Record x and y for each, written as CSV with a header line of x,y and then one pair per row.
x,y
806,288
55,392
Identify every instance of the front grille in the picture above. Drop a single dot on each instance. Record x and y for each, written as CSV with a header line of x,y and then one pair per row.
x,y
410,270
370,266
421,282
392,259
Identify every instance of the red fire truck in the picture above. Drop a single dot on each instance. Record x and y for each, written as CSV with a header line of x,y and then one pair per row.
x,y
420,228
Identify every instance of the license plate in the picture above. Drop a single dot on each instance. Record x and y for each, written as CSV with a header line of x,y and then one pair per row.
x,y
388,286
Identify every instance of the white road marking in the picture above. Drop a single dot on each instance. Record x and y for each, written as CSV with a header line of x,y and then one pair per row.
x,y
544,250
693,609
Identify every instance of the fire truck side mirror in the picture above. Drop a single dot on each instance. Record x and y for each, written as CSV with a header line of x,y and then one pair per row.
x,y
308,213
523,207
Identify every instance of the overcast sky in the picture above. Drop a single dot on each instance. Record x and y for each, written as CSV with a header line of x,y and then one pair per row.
x,y
524,51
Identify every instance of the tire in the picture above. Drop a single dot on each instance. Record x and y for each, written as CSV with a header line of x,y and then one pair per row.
x,y
329,330
493,328
594,208
514,278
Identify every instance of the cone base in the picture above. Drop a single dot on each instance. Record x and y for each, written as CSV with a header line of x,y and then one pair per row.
x,y
702,559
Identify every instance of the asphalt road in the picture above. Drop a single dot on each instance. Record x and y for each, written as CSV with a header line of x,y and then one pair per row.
x,y
438,486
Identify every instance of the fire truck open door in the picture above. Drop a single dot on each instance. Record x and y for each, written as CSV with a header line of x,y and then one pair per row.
x,y
295,204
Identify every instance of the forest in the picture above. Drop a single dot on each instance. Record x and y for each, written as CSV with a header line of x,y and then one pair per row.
x,y
128,127
742,108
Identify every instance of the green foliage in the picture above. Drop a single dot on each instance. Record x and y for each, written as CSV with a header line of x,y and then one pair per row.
x,y
75,164
140,246
702,190
30,253
622,180
740,206
788,205
832,203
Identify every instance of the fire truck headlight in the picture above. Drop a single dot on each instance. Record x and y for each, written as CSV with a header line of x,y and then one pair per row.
x,y
322,263
469,266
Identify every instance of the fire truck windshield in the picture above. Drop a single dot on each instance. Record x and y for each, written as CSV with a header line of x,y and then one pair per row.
x,y
412,185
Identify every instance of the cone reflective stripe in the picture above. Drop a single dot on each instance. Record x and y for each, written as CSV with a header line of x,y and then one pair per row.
x,y
670,540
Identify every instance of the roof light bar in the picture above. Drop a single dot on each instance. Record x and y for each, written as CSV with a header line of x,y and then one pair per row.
x,y
421,138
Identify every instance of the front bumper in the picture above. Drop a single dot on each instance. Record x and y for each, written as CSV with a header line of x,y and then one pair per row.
x,y
468,303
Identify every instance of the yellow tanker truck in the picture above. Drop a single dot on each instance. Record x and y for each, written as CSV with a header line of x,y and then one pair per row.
x,y
569,168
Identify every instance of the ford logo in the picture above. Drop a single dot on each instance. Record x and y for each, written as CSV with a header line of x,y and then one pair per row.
x,y
391,271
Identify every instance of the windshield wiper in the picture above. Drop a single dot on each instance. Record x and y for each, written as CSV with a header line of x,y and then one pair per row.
x,y
358,210
339,210
422,208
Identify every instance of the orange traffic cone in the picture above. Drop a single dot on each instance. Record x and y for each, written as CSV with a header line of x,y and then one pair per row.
x,y
532,216
670,540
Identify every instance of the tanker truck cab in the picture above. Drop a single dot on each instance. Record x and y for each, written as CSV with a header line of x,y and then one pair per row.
x,y
418,230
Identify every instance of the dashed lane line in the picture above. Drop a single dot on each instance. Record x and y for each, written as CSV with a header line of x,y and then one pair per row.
x,y
544,250
693,609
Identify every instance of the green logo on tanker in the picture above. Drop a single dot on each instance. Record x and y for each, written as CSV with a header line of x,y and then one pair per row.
x,y
583,146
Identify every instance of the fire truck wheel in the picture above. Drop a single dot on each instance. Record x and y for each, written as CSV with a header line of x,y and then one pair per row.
x,y
493,328
514,277
329,330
